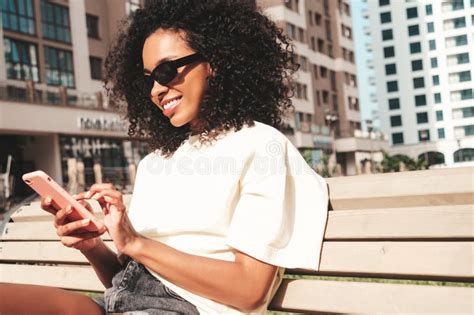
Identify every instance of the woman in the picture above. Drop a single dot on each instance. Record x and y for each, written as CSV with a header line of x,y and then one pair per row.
x,y
224,202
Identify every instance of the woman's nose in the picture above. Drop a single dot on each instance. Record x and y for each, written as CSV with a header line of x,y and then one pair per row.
x,y
157,89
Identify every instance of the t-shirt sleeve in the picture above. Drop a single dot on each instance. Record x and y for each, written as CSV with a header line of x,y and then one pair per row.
x,y
281,215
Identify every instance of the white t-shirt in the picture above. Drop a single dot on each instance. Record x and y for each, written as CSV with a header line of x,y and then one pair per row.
x,y
251,190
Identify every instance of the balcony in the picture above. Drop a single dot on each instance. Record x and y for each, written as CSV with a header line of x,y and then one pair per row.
x,y
29,92
365,14
368,47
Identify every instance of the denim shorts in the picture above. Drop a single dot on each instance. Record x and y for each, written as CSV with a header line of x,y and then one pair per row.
x,y
136,291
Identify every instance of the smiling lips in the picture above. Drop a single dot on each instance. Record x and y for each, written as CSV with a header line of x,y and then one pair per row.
x,y
170,105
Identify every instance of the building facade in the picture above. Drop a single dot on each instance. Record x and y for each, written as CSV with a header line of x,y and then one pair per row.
x,y
327,109
52,105
424,61
53,108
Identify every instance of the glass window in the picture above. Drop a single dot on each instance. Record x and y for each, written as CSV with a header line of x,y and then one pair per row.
x,y
452,5
55,22
469,131
441,133
416,65
412,13
389,51
392,86
415,47
395,121
387,34
466,94
418,83
291,30
383,2
423,135
397,138
92,23
439,115
394,103
467,112
465,76
432,44
385,17
21,60
390,69
413,30
430,27
429,9
421,118
456,41
434,62
466,154
457,4
437,98
59,67
18,16
420,100
456,23
458,59
96,68
317,18
435,80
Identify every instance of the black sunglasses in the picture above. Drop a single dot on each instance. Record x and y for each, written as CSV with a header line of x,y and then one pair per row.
x,y
166,71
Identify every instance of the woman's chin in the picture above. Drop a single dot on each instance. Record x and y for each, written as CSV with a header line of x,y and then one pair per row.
x,y
177,121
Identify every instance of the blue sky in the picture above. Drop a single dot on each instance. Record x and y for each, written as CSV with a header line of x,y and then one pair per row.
x,y
363,73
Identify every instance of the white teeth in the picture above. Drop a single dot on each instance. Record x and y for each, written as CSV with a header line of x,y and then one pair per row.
x,y
172,103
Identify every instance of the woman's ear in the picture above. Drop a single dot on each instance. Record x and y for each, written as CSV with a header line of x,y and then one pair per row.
x,y
210,71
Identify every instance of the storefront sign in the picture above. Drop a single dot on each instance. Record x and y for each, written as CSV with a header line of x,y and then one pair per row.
x,y
102,123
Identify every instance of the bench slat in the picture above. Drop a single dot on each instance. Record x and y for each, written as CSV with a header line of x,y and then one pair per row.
x,y
33,231
425,259
46,252
414,260
451,186
293,295
448,186
434,222
365,297
66,277
446,221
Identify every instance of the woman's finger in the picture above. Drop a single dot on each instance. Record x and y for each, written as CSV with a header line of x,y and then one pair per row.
x,y
61,215
69,228
47,205
110,197
98,188
112,194
71,241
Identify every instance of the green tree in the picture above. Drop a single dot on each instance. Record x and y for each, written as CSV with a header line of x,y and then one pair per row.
x,y
392,163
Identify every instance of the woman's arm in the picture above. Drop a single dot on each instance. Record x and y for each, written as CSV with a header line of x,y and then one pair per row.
x,y
242,283
104,261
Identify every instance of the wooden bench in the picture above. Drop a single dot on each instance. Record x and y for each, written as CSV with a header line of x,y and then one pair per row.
x,y
410,226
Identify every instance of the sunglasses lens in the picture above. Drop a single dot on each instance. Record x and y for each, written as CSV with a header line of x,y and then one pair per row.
x,y
165,73
148,83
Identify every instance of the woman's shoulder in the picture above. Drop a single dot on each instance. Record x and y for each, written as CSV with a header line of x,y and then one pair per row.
x,y
261,132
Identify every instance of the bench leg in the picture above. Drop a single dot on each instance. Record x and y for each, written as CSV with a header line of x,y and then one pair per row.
x,y
35,299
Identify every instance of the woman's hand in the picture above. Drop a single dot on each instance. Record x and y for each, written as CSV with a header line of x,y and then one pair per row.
x,y
69,232
115,216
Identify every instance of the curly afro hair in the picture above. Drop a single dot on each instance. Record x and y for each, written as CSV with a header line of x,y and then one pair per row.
x,y
252,58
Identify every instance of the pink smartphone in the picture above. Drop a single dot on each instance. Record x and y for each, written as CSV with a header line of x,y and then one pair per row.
x,y
45,186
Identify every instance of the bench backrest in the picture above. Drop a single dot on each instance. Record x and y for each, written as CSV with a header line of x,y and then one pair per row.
x,y
414,226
